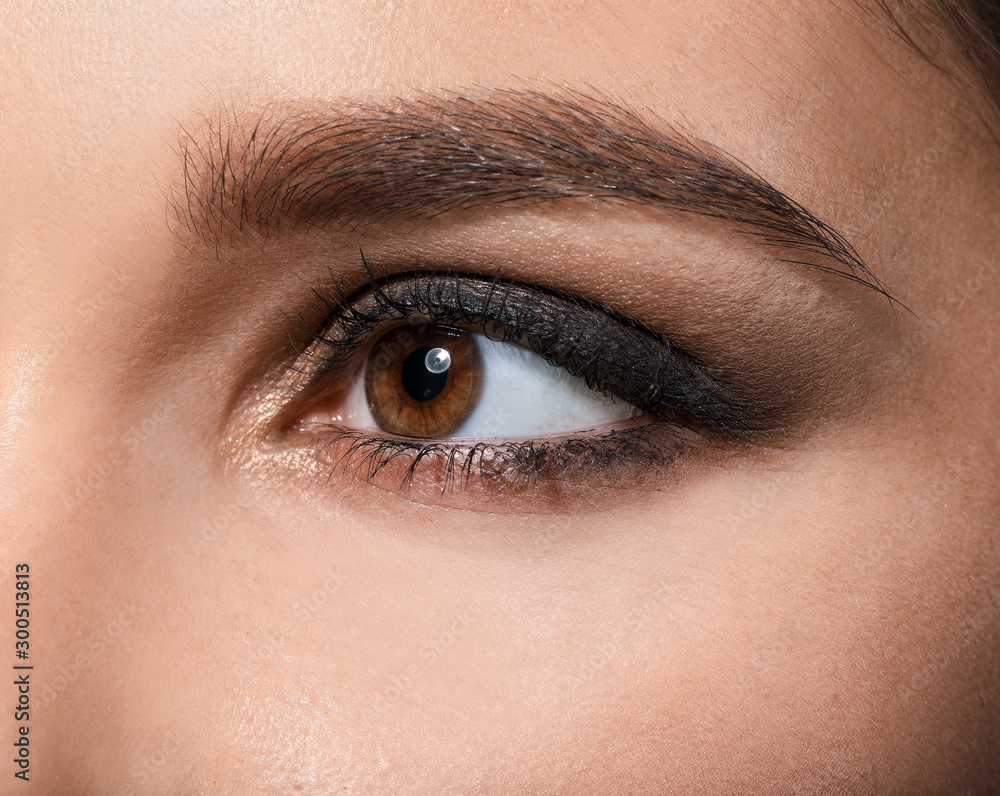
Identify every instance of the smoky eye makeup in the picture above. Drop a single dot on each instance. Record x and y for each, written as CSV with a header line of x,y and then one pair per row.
x,y
461,380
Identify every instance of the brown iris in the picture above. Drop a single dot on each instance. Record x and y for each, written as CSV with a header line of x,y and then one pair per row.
x,y
422,381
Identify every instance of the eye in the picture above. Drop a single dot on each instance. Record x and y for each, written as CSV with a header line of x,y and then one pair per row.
x,y
430,380
460,374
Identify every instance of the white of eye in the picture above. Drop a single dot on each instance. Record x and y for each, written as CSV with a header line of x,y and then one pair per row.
x,y
520,396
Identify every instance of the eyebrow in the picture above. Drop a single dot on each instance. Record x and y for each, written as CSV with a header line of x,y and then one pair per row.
x,y
353,165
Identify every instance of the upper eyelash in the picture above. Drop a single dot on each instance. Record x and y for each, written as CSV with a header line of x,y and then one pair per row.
x,y
614,355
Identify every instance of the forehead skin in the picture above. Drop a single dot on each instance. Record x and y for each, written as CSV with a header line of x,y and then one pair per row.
x,y
824,620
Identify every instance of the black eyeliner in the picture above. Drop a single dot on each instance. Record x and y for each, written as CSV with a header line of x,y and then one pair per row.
x,y
613,354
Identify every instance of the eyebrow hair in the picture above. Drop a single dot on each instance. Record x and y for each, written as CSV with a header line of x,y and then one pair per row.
x,y
353,165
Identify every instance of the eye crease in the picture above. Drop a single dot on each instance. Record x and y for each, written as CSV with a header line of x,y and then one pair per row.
x,y
496,376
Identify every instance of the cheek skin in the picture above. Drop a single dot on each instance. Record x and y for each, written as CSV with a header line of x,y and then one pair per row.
x,y
547,630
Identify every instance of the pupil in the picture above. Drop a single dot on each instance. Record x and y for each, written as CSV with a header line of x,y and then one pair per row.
x,y
421,383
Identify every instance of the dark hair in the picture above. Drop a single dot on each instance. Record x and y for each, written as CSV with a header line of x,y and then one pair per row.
x,y
975,25
972,25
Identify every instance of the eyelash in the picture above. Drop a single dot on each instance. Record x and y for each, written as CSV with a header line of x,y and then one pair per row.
x,y
613,354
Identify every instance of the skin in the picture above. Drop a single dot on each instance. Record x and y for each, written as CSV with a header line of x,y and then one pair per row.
x,y
817,612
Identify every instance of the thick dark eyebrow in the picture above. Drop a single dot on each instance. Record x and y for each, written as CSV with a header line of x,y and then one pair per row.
x,y
353,165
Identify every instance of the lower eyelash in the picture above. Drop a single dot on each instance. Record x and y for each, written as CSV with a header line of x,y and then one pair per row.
x,y
503,467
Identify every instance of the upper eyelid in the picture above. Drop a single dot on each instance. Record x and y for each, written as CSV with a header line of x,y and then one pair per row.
x,y
650,373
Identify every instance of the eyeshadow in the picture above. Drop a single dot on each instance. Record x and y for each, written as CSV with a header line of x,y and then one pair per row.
x,y
613,354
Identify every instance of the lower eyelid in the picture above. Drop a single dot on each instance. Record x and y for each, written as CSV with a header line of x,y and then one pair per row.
x,y
620,457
